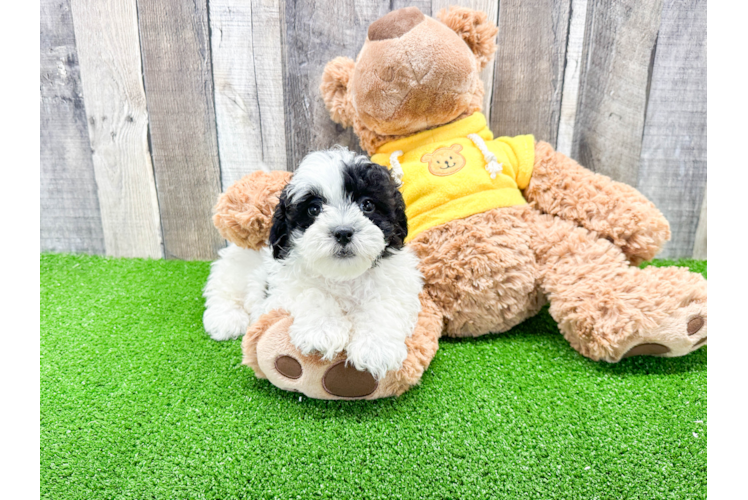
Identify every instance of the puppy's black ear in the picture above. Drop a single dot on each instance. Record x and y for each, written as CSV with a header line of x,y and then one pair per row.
x,y
279,240
401,224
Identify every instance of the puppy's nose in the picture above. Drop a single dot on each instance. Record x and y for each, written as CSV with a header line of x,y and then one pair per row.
x,y
343,235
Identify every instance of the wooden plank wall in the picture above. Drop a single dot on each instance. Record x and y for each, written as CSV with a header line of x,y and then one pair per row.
x,y
619,46
107,39
672,168
529,68
248,81
179,84
173,100
70,214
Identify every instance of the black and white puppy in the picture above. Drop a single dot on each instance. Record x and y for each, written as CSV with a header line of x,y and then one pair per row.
x,y
336,262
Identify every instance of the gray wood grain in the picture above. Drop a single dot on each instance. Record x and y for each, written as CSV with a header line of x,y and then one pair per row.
x,y
179,88
107,38
248,85
619,43
315,33
672,169
70,220
572,73
428,7
491,8
529,71
699,246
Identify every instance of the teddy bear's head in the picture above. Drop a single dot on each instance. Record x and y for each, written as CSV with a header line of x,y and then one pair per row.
x,y
413,73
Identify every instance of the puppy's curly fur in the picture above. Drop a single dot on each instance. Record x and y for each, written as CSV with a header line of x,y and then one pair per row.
x,y
335,262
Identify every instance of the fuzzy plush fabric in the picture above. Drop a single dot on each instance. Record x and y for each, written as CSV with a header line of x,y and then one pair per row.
x,y
614,210
334,86
475,30
573,245
605,306
395,24
243,214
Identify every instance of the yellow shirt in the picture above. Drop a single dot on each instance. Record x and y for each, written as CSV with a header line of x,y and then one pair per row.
x,y
445,177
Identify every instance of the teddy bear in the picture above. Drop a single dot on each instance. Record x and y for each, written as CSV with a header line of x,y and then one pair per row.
x,y
502,226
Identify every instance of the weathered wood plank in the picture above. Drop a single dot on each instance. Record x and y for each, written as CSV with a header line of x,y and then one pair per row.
x,y
70,216
619,43
491,8
248,86
712,138
699,248
179,89
315,33
529,67
569,99
712,230
711,194
425,6
107,38
672,170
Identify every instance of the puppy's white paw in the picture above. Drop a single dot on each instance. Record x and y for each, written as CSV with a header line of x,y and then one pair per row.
x,y
375,355
327,337
225,323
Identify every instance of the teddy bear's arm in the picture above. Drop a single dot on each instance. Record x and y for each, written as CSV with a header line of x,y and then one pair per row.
x,y
616,211
244,213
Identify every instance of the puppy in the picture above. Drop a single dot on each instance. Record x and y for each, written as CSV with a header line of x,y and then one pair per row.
x,y
336,262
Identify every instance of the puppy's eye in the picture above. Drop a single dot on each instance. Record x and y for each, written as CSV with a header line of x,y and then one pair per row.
x,y
314,210
367,206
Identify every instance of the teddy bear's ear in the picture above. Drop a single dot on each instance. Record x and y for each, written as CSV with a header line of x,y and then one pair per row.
x,y
474,27
426,158
334,88
455,147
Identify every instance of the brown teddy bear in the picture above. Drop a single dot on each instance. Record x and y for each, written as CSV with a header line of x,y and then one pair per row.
x,y
502,226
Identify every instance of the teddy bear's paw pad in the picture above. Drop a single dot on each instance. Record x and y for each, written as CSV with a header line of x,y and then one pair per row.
x,y
345,381
288,366
647,350
683,332
695,325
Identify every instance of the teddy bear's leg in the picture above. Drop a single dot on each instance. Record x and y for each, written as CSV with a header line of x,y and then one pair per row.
x,y
560,186
269,352
609,310
481,271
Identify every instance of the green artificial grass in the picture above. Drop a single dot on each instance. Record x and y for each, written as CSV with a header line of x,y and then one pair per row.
x,y
137,402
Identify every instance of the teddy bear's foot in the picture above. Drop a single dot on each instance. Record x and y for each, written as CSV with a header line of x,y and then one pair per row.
x,y
682,333
677,334
268,349
654,312
287,368
609,310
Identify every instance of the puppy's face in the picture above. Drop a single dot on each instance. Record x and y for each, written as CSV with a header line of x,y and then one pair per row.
x,y
339,214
